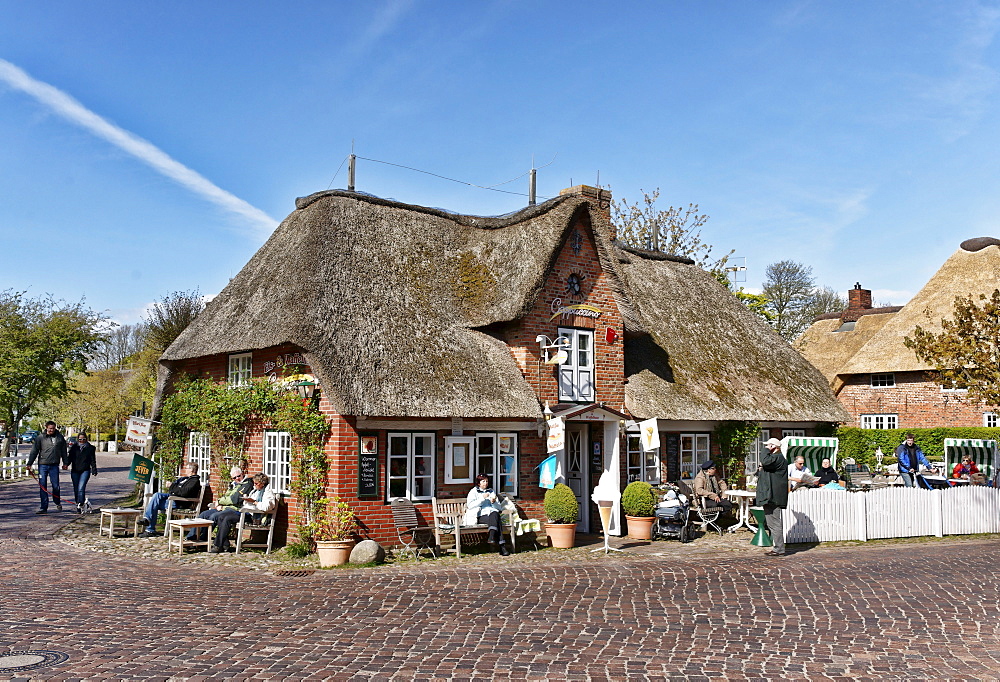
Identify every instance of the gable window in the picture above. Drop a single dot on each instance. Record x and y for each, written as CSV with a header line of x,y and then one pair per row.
x,y
200,452
239,369
642,465
411,466
990,419
694,450
879,421
576,375
883,380
278,460
953,387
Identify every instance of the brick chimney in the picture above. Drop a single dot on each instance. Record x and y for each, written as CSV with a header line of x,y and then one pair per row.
x,y
601,198
858,298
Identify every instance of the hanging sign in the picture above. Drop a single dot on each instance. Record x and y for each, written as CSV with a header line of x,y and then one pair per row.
x,y
137,431
142,469
557,434
368,473
649,435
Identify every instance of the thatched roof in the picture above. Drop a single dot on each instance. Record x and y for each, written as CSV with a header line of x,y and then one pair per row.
x,y
707,357
392,305
829,350
973,269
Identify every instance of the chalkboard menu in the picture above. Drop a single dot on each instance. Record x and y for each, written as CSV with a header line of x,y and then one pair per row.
x,y
673,456
368,465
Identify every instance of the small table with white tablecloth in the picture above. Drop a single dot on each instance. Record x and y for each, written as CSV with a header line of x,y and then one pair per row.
x,y
742,499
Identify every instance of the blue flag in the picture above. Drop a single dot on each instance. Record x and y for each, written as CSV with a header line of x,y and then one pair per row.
x,y
547,473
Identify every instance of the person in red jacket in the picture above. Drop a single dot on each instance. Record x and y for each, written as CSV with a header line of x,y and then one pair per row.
x,y
967,469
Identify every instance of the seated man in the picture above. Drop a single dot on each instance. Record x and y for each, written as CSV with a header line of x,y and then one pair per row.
x,y
260,500
799,474
187,485
827,474
239,486
710,488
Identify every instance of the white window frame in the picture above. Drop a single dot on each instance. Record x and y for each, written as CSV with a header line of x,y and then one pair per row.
x,y
278,460
794,433
240,369
752,462
641,465
200,452
466,444
883,380
697,452
577,375
879,421
410,478
990,420
488,461
953,389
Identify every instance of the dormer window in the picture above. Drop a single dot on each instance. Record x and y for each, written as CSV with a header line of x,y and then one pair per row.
x,y
239,369
883,380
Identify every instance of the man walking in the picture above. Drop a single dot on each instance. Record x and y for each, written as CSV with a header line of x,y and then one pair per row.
x,y
49,449
772,492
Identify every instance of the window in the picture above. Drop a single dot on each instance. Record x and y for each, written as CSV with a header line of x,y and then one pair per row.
x,y
642,465
411,465
754,451
883,380
793,433
879,421
200,452
694,450
278,460
239,369
576,375
496,457
953,387
990,419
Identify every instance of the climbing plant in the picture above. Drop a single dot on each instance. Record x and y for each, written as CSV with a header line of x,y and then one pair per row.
x,y
308,428
734,437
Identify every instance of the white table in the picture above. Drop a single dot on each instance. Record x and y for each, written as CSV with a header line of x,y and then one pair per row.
x,y
742,499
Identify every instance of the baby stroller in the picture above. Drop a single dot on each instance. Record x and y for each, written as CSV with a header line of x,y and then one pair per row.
x,y
673,514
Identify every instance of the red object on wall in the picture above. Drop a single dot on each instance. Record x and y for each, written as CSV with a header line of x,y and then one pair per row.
x,y
611,335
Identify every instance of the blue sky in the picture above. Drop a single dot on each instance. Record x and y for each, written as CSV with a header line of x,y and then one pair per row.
x,y
150,147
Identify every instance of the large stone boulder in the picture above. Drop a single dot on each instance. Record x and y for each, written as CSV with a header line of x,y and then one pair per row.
x,y
367,551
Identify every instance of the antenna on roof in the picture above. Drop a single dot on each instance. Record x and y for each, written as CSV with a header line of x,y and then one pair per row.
x,y
737,272
351,163
532,183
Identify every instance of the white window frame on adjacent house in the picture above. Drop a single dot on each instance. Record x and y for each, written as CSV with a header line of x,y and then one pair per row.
x,y
200,452
577,375
278,460
794,433
240,369
402,452
502,468
990,420
699,450
641,465
879,421
953,389
754,450
884,380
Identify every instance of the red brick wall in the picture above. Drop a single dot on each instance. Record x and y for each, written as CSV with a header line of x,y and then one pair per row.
x,y
919,402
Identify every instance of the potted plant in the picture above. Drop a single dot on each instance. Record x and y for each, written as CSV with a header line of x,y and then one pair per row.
x,y
332,531
640,509
561,510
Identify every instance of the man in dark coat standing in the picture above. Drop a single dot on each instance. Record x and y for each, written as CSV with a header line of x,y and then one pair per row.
x,y
50,450
772,492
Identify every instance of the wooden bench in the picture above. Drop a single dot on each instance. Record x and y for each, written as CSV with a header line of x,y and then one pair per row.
x,y
448,515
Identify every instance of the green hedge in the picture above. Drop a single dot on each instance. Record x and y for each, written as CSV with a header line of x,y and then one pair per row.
x,y
861,443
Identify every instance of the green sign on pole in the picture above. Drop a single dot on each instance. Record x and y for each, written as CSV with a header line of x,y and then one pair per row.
x,y
142,469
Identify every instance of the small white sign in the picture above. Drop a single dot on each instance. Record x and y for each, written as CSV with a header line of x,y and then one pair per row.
x,y
457,426
137,431
649,434
557,434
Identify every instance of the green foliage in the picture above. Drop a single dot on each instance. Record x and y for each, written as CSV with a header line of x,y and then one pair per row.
x,y
861,444
638,499
756,303
334,520
297,550
734,437
561,505
966,353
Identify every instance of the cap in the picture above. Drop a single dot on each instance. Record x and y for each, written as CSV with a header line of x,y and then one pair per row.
x,y
708,464
773,441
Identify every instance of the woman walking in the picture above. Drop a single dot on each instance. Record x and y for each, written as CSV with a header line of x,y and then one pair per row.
x,y
82,465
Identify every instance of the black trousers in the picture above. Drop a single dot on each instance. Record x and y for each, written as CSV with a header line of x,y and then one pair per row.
x,y
496,529
725,505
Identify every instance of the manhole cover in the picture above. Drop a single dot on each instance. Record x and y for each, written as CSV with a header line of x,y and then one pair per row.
x,y
289,573
29,660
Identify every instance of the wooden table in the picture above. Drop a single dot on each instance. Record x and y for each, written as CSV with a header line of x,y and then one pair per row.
x,y
123,514
182,526
742,498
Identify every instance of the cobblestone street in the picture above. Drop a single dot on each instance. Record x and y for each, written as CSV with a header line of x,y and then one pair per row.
x,y
660,611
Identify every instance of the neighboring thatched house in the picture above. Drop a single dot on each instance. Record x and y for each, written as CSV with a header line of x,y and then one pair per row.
x,y
878,379
433,337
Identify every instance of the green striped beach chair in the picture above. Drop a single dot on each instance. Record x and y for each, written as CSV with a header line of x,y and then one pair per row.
x,y
983,453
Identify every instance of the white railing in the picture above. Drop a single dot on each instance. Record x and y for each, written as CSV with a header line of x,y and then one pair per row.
x,y
898,512
13,467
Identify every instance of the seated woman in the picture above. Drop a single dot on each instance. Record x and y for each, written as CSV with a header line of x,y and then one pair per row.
x,y
827,474
482,507
967,470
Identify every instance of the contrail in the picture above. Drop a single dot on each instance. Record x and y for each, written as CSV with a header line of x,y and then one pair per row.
x,y
62,104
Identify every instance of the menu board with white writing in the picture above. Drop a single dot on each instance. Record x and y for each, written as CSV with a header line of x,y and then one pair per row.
x,y
368,472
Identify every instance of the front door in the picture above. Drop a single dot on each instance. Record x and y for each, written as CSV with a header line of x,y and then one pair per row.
x,y
576,471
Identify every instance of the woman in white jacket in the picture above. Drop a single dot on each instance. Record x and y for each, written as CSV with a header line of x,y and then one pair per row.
x,y
482,506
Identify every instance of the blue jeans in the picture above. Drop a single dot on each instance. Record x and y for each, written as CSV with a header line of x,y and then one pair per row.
x,y
157,504
80,479
211,515
50,472
908,478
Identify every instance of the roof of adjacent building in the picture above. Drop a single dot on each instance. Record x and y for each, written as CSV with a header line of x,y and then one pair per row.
x,y
392,305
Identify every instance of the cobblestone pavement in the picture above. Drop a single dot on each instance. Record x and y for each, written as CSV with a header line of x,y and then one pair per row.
x,y
710,609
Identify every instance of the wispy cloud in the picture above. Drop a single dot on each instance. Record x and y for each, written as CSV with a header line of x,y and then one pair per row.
x,y
259,223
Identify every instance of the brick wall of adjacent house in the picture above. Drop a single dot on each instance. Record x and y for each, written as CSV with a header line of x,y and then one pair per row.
x,y
918,401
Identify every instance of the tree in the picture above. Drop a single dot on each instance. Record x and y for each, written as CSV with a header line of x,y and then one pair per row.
x,y
169,317
43,343
966,354
674,230
757,303
118,346
794,299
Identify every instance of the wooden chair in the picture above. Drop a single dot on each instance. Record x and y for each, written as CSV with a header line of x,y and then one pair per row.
x,y
200,504
255,521
413,534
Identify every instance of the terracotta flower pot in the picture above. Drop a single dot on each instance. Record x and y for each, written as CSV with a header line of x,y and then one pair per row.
x,y
561,535
640,527
334,552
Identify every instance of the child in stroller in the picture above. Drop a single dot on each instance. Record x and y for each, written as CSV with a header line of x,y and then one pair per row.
x,y
672,517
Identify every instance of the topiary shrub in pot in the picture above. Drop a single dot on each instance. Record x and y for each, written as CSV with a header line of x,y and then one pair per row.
x,y
561,510
639,504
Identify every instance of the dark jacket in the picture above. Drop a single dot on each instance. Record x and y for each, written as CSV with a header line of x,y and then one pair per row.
x,y
772,479
826,475
83,458
188,486
48,449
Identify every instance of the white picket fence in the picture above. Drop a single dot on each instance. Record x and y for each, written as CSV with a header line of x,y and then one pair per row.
x,y
13,467
829,515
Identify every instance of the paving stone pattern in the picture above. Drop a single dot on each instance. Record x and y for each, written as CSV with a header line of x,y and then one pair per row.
x,y
661,611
